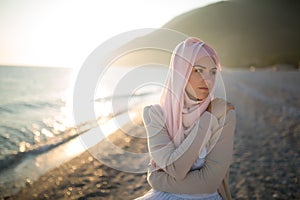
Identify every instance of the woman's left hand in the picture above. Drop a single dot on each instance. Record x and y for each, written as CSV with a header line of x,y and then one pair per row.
x,y
219,107
229,107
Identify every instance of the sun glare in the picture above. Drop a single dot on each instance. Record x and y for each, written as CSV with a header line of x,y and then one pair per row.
x,y
63,33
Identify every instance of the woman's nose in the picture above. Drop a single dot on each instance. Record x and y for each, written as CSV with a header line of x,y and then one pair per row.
x,y
207,76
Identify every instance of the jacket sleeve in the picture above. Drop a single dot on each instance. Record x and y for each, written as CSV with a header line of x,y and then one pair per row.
x,y
175,161
207,179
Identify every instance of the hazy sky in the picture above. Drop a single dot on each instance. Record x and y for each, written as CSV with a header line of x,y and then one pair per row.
x,y
64,32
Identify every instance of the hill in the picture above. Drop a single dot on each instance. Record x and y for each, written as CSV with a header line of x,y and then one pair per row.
x,y
243,32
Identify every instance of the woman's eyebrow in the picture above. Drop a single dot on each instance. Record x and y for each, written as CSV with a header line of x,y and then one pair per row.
x,y
199,66
204,66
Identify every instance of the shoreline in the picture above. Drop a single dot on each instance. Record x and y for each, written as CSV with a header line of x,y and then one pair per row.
x,y
32,166
84,176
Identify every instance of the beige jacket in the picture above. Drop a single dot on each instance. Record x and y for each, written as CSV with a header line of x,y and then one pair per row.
x,y
175,176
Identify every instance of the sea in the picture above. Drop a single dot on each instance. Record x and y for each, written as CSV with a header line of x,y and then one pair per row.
x,y
38,131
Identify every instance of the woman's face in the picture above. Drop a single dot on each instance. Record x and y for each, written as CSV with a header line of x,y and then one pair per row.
x,y
202,78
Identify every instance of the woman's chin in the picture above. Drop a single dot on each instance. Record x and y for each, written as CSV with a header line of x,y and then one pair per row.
x,y
201,97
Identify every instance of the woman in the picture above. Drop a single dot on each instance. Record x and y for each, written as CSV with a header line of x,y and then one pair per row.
x,y
190,134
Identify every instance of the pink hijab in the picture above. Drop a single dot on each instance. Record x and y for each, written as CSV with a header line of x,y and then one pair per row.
x,y
180,111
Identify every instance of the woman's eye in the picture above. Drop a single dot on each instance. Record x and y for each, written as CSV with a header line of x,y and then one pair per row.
x,y
213,72
199,70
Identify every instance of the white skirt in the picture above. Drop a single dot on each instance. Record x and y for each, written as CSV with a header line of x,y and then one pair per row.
x,y
158,195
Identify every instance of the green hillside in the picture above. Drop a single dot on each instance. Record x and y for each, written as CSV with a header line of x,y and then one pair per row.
x,y
243,32
247,32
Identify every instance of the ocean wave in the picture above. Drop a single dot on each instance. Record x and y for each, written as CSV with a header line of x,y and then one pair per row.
x,y
23,139
31,149
19,106
34,149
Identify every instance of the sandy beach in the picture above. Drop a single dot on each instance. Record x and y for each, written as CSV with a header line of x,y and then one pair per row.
x,y
266,159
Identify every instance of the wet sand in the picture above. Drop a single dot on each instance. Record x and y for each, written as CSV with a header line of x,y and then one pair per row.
x,y
266,159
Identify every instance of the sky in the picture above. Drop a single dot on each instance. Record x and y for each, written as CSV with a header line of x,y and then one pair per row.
x,y
62,33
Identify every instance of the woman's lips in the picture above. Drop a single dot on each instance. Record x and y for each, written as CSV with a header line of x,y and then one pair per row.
x,y
203,88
